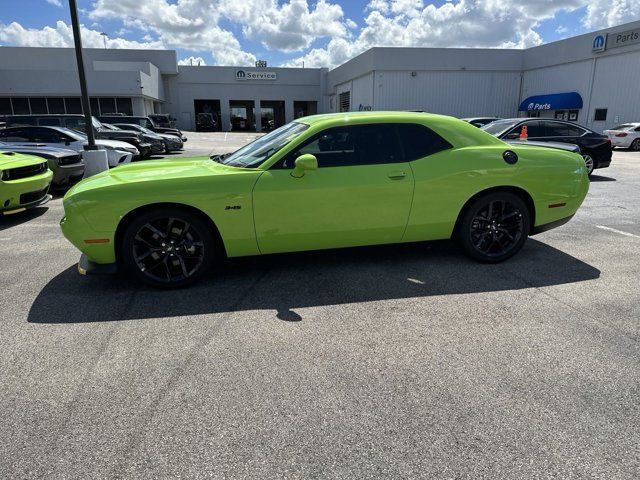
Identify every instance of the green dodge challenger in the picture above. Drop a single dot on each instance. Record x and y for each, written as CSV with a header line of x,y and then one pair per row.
x,y
324,181
24,182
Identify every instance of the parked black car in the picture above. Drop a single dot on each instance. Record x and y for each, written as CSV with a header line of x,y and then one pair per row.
x,y
157,145
67,165
145,122
169,143
595,148
163,120
77,122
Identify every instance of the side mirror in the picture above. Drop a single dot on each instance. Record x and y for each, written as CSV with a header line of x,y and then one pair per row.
x,y
304,163
512,136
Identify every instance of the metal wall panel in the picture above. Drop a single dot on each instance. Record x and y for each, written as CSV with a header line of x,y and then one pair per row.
x,y
458,93
618,92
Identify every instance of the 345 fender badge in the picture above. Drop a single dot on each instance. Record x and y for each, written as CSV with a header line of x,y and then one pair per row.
x,y
232,207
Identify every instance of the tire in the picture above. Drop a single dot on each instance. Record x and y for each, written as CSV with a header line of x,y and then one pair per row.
x,y
589,162
494,227
635,145
167,248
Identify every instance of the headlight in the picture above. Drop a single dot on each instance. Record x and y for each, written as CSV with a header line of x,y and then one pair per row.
x,y
106,147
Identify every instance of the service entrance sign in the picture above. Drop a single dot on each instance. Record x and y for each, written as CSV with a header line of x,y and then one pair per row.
x,y
244,75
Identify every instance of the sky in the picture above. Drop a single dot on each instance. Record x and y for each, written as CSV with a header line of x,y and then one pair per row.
x,y
318,33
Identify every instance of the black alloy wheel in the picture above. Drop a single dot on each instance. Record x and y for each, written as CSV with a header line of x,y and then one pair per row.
x,y
169,248
635,145
494,227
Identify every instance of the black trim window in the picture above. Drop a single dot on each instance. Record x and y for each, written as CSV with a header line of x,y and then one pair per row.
x,y
372,144
600,115
419,141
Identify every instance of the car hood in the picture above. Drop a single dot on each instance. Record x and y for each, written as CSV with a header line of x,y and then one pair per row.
x,y
37,150
168,136
114,143
15,160
156,171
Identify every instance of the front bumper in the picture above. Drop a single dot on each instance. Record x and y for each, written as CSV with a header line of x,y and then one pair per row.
x,y
87,267
65,176
30,192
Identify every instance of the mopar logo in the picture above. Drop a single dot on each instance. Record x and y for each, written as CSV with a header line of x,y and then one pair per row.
x,y
241,75
530,106
599,43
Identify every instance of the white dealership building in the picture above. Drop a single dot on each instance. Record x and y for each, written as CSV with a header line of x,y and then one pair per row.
x,y
593,79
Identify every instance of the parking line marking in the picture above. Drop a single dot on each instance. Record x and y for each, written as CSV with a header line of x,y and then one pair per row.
x,y
618,231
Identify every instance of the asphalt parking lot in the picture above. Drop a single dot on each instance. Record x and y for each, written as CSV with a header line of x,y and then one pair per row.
x,y
396,362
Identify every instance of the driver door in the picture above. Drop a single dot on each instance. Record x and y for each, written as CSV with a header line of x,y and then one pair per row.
x,y
360,194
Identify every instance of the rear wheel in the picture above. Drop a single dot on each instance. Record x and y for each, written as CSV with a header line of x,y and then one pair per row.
x,y
589,162
494,227
635,145
168,248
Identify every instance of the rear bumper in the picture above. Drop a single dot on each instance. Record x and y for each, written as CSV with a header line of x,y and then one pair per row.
x,y
551,225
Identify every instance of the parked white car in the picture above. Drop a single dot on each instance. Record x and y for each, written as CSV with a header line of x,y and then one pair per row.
x,y
117,152
626,135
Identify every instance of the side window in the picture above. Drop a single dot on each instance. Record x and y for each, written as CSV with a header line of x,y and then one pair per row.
x,y
555,129
45,135
76,123
419,141
349,146
16,135
534,129
637,129
574,131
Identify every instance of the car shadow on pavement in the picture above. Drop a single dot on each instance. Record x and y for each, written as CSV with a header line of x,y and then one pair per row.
x,y
8,221
283,283
600,178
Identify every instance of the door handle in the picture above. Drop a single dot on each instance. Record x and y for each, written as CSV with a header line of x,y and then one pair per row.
x,y
397,175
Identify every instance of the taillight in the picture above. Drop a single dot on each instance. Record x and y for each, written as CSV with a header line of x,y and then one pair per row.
x,y
621,134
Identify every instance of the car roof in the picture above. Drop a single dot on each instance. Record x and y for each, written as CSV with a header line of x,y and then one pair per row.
x,y
455,131
372,116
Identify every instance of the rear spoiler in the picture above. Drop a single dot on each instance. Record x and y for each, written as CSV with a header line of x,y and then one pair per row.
x,y
569,147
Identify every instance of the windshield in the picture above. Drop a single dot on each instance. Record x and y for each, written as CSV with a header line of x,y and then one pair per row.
x,y
622,127
261,149
499,126
75,134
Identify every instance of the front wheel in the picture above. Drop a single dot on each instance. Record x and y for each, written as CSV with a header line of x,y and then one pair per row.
x,y
494,227
168,248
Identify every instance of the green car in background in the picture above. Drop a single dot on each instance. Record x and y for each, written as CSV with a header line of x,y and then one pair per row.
x,y
24,182
325,181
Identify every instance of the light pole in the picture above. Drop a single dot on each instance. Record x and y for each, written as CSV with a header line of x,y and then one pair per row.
x,y
104,39
95,160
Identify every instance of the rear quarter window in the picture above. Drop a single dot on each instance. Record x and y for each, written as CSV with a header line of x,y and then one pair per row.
x,y
419,141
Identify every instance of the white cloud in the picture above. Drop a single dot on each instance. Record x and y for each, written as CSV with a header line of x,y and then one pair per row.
x,y
195,61
462,23
55,3
603,14
62,36
218,26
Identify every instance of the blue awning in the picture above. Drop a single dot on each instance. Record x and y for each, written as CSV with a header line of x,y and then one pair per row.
x,y
553,101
